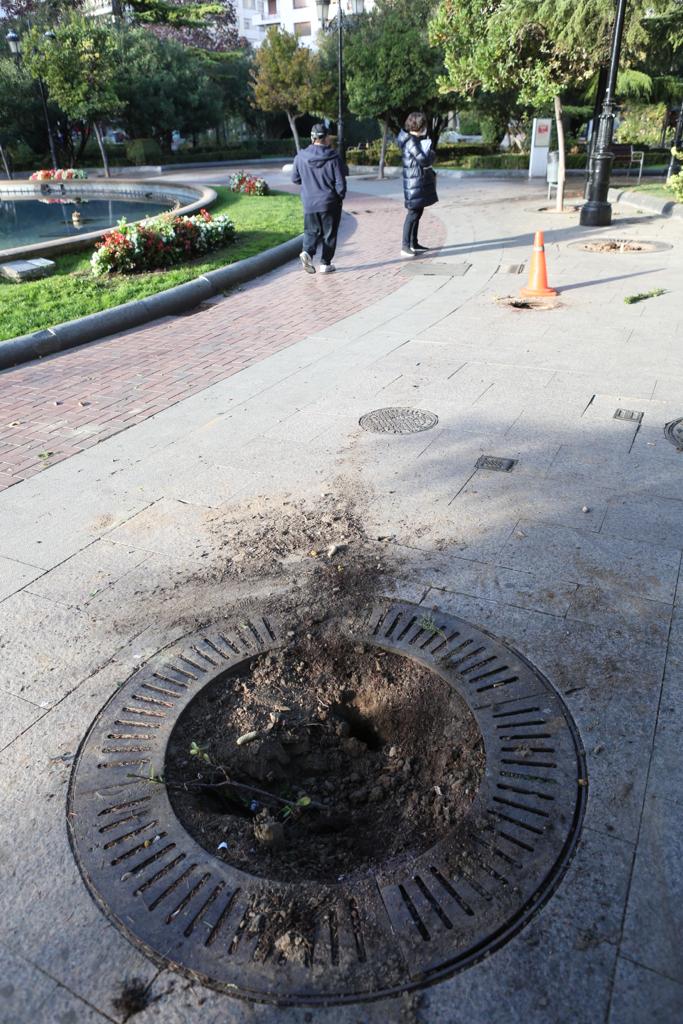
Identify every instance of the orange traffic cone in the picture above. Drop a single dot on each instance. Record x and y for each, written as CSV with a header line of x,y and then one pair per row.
x,y
538,275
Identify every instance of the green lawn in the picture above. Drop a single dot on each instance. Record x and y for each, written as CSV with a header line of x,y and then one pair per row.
x,y
72,291
654,189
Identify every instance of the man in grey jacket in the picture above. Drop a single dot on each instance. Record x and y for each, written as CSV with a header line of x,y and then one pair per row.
x,y
320,171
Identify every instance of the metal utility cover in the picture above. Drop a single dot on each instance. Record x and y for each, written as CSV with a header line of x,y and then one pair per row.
x,y
628,414
401,926
428,269
495,463
673,432
398,420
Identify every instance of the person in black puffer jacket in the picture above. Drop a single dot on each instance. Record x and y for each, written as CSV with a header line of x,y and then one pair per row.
x,y
419,179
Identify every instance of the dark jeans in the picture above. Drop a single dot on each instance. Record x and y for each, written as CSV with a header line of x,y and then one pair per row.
x,y
410,227
322,227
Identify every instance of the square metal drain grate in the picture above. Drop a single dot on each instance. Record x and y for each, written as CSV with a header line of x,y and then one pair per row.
x,y
494,462
633,415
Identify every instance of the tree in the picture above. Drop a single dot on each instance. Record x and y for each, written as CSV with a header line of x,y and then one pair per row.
x,y
163,86
290,78
537,47
20,115
79,66
391,68
207,26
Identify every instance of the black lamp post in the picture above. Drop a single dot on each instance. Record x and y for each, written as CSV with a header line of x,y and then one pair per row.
x,y
597,212
14,43
323,8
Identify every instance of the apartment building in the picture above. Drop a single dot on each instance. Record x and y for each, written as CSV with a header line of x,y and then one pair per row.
x,y
297,16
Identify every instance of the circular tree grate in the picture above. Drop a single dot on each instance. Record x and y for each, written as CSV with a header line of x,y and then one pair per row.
x,y
398,421
410,923
673,432
619,246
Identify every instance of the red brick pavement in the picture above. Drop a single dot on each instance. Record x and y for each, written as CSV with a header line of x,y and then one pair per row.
x,y
53,408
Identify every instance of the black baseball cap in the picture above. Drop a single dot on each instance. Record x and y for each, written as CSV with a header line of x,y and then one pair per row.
x,y
319,131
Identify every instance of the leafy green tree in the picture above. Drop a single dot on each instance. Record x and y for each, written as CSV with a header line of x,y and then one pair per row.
x,y
79,65
539,48
391,67
163,86
20,113
289,77
207,26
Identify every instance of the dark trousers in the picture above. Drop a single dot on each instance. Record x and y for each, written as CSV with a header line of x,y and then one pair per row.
x,y
410,227
322,227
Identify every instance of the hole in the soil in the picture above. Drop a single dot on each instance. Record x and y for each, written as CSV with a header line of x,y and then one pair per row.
x,y
360,728
326,760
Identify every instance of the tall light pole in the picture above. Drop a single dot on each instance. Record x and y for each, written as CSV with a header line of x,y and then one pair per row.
x,y
14,43
323,8
597,211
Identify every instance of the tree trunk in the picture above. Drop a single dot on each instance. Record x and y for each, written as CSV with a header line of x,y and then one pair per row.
x,y
383,150
103,151
295,133
3,157
561,162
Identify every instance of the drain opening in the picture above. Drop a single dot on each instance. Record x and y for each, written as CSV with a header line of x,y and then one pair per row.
x,y
398,421
398,919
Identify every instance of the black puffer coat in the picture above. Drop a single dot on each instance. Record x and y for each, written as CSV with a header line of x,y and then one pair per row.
x,y
419,179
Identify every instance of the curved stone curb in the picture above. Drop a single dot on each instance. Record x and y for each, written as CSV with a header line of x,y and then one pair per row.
x,y
654,204
141,311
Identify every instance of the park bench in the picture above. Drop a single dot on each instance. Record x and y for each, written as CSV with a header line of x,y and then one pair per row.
x,y
625,153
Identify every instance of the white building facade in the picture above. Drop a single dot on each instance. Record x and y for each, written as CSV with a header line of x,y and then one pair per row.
x,y
299,17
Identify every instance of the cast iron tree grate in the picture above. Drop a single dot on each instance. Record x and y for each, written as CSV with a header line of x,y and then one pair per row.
x,y
673,432
430,916
398,421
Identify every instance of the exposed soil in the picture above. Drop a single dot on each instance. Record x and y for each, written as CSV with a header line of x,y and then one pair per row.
x,y
617,245
327,760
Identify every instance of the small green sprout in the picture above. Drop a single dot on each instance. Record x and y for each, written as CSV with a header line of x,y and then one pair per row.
x,y
641,296
196,750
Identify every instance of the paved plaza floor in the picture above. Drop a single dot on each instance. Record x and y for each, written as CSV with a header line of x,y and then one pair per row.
x,y
110,551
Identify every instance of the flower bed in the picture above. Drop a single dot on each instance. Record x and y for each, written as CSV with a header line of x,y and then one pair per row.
x,y
66,174
248,184
160,242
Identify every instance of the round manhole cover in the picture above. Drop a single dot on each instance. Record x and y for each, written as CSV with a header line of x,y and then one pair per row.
x,y
398,421
404,923
673,431
619,246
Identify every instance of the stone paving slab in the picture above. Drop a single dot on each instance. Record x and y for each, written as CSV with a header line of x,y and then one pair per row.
x,y
587,597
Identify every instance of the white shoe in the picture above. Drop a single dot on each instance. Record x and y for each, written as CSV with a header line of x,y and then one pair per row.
x,y
407,255
327,268
307,263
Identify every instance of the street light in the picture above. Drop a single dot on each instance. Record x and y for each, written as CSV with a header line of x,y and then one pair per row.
x,y
14,43
597,211
323,8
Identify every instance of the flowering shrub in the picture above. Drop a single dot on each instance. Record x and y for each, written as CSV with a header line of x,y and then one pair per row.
x,y
160,242
675,182
248,184
68,174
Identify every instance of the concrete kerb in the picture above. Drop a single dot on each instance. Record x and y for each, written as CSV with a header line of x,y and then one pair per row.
x,y
643,201
135,314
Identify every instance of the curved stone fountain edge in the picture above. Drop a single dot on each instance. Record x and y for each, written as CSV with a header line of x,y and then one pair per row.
x,y
203,196
133,314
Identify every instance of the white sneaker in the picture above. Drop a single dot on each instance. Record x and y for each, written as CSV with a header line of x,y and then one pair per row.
x,y
307,263
407,255
327,268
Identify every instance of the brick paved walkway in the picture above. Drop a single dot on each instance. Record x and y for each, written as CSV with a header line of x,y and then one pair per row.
x,y
51,409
